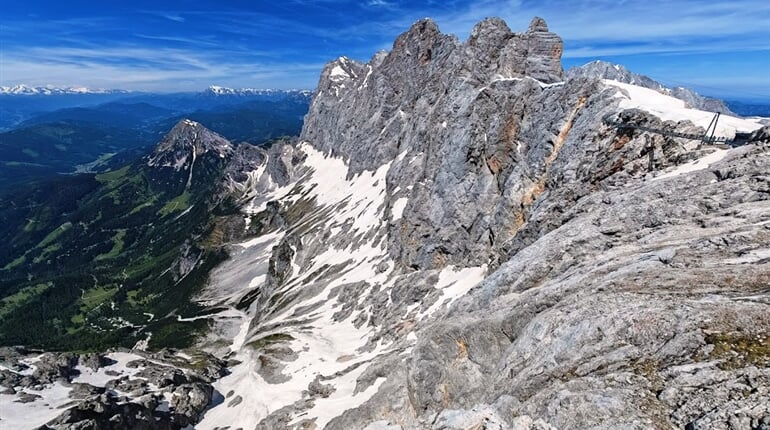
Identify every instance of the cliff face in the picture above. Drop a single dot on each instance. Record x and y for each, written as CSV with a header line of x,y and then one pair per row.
x,y
478,120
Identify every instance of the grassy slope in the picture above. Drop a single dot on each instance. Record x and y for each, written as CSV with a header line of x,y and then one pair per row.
x,y
84,265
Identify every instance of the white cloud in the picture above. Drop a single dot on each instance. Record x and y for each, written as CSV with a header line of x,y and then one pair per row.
x,y
173,17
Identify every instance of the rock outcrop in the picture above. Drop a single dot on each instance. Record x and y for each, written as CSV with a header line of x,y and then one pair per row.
x,y
118,390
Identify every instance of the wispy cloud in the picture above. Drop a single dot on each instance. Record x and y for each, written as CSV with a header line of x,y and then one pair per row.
x,y
380,3
176,18
153,69
169,15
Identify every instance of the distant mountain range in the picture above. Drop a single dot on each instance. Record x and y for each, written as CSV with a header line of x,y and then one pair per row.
x,y
23,103
49,90
213,90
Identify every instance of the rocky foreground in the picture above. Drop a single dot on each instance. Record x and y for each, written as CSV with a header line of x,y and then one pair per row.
x,y
119,390
459,241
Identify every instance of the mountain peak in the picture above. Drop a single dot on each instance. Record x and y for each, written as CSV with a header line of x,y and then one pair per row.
x,y
423,26
492,32
188,140
537,25
216,90
418,42
185,124
420,53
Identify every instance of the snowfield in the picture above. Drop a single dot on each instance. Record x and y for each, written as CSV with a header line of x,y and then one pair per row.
x,y
669,108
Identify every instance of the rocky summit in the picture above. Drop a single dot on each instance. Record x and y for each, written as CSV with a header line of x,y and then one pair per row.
x,y
462,238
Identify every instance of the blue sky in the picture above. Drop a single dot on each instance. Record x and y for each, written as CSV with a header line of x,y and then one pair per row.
x,y
718,47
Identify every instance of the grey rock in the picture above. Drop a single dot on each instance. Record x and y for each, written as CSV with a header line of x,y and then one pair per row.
x,y
191,400
25,397
94,361
476,418
52,367
761,136
164,376
235,401
319,389
83,391
666,255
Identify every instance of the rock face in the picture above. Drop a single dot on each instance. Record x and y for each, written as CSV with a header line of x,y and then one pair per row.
x,y
604,70
477,101
461,241
761,136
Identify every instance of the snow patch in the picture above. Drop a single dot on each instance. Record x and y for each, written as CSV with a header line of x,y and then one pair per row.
x,y
696,165
15,415
324,346
397,211
100,377
343,399
454,283
669,108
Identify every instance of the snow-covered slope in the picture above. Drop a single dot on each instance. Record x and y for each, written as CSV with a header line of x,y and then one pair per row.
x,y
603,70
314,340
669,108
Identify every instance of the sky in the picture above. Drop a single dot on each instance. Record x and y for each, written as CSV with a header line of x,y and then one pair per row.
x,y
719,48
